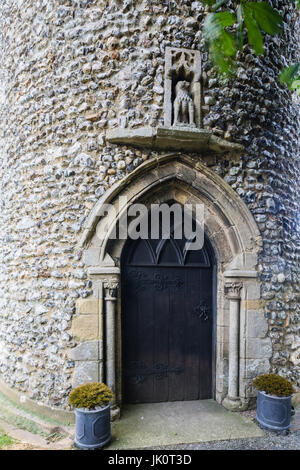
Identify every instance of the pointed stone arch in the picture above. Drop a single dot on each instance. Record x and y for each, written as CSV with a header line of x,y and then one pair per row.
x,y
190,180
236,240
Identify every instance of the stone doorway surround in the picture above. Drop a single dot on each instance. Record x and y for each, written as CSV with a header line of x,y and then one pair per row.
x,y
242,348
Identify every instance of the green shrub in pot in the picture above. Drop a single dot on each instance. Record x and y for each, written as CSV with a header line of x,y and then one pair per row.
x,y
274,402
92,410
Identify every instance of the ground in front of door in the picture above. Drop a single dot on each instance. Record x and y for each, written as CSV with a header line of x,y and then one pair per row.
x,y
201,425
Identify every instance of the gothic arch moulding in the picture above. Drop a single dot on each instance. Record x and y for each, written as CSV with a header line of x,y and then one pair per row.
x,y
236,240
229,223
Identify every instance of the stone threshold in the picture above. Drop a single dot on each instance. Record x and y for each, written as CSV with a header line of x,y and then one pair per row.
x,y
187,139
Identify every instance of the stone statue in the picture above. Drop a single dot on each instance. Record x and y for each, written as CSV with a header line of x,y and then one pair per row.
x,y
183,106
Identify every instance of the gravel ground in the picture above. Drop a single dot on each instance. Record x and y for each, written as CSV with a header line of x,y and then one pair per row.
x,y
270,442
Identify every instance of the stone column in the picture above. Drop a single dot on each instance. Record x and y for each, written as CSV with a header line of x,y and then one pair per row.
x,y
111,289
232,401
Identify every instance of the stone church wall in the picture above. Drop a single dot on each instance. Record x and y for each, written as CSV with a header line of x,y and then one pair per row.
x,y
72,69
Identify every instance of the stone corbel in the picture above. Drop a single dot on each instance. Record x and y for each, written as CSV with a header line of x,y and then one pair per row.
x,y
233,293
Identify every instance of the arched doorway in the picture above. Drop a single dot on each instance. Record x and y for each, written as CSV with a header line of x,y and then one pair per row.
x,y
239,352
167,321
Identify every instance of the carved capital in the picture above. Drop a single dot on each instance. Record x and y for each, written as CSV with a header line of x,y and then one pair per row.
x,y
233,290
111,288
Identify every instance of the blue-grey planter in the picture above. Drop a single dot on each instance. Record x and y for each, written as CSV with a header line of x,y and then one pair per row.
x,y
92,428
273,413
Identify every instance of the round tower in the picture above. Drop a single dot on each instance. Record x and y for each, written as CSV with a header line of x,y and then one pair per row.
x,y
90,113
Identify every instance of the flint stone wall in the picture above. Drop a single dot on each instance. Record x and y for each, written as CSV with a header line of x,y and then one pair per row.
x,y
70,70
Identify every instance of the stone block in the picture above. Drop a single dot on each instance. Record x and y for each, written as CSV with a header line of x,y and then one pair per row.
x,y
87,351
250,260
85,327
87,306
252,304
91,256
86,371
253,291
257,348
255,367
257,325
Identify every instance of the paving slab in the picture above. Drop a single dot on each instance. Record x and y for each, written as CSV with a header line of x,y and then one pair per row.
x,y
164,424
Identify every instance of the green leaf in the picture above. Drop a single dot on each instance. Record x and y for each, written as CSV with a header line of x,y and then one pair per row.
x,y
255,38
221,43
225,65
227,43
291,76
268,19
240,19
296,85
215,23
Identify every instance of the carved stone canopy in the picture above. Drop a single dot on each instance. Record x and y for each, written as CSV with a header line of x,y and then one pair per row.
x,y
184,62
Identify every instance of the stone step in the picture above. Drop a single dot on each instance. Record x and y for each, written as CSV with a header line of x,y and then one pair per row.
x,y
25,440
16,416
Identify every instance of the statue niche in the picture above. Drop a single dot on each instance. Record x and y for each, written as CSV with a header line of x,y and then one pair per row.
x,y
182,100
183,106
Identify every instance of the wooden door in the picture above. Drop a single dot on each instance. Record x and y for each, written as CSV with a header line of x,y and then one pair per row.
x,y
167,322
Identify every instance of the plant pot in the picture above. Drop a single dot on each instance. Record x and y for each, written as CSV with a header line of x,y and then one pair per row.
x,y
273,413
92,428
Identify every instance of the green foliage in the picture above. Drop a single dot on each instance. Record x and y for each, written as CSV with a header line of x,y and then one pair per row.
x,y
90,395
291,77
260,16
5,440
255,38
274,384
251,17
268,19
221,43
